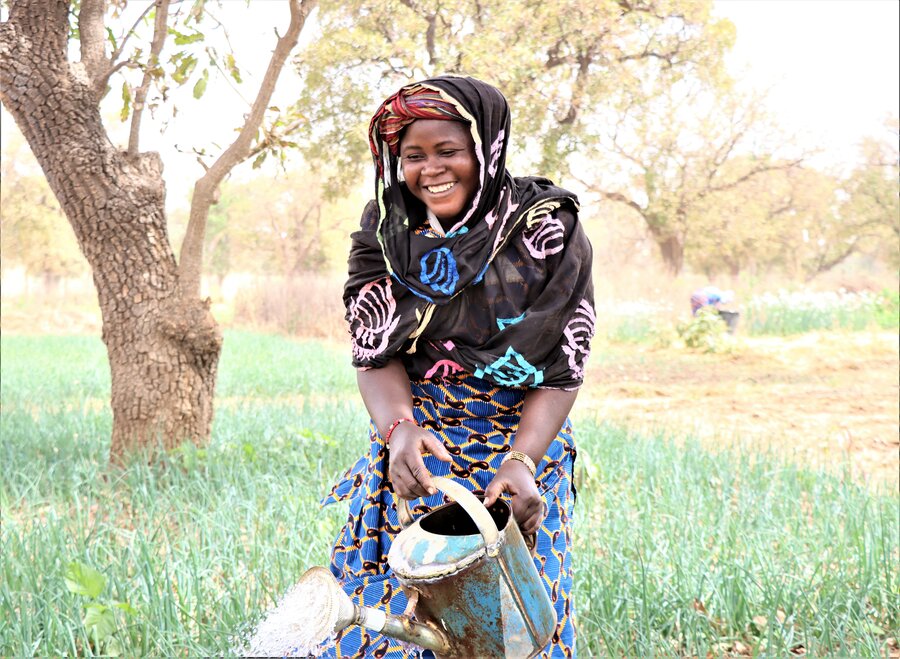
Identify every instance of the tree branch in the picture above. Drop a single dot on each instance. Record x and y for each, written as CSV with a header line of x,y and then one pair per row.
x,y
750,174
160,30
192,247
124,64
35,27
622,199
271,137
118,51
92,34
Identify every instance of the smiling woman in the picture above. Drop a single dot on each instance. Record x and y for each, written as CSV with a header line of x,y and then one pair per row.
x,y
439,167
470,306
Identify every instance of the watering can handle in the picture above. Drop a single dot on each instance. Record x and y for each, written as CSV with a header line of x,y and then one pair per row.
x,y
469,502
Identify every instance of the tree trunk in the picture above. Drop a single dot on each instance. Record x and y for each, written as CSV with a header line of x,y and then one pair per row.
x,y
671,249
163,344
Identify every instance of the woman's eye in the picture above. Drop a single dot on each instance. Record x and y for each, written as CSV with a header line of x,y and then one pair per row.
x,y
413,157
449,153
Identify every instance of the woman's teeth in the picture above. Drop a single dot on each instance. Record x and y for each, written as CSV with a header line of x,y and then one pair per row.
x,y
435,189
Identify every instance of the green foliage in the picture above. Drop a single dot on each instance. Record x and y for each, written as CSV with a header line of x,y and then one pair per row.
x,y
705,331
678,550
801,221
84,580
871,211
782,219
200,85
126,102
285,227
887,309
787,313
34,233
99,614
700,159
565,67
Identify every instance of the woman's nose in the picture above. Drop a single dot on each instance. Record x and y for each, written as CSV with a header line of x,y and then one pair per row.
x,y
432,166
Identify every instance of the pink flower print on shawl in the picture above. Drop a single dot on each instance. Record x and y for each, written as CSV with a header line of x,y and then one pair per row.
x,y
372,319
496,148
444,367
578,333
546,237
492,217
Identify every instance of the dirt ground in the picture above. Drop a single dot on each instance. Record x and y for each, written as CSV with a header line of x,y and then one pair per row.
x,y
824,399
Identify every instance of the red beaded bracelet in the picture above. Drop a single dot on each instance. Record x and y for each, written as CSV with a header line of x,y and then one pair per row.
x,y
390,431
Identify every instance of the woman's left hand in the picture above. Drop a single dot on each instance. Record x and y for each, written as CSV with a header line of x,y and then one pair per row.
x,y
528,506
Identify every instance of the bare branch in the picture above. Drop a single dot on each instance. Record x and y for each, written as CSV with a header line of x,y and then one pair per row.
x,y
622,199
121,48
755,171
160,30
584,63
124,64
204,189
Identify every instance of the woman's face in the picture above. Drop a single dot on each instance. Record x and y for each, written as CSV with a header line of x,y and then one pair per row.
x,y
438,161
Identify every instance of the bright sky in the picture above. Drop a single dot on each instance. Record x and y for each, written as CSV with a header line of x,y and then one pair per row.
x,y
832,67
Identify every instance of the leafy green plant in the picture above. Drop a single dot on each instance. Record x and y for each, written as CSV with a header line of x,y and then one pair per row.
x,y
887,309
705,331
99,613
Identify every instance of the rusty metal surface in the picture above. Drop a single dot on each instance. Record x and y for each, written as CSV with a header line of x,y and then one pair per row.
x,y
487,606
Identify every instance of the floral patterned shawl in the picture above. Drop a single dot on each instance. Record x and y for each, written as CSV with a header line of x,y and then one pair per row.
x,y
505,295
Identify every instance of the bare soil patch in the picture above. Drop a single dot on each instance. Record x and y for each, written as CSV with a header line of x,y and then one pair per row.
x,y
825,399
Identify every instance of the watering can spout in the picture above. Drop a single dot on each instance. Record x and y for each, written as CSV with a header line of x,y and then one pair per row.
x,y
341,612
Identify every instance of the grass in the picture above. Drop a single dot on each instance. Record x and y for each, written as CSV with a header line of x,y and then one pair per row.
x,y
800,312
680,551
768,314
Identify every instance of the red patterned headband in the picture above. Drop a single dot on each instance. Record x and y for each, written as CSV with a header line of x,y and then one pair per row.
x,y
403,108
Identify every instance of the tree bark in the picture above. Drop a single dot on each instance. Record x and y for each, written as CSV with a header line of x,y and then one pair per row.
x,y
672,251
671,246
163,346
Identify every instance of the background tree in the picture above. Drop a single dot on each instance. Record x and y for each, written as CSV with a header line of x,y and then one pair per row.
x,y
163,343
871,207
33,230
564,66
682,150
772,221
284,228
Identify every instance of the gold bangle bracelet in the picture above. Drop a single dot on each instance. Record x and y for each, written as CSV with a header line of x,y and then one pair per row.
x,y
523,458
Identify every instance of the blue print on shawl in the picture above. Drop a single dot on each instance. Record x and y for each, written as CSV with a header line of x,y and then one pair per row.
x,y
503,323
410,288
439,270
511,370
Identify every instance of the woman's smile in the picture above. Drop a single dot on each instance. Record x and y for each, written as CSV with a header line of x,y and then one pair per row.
x,y
439,166
438,189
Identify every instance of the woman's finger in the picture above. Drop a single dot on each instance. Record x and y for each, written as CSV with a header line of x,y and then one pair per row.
x,y
421,475
416,474
403,477
436,447
495,488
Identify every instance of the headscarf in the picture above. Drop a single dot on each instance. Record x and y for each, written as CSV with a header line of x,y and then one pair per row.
x,y
405,287
401,109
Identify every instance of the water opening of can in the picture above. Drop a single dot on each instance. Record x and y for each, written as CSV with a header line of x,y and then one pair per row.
x,y
453,520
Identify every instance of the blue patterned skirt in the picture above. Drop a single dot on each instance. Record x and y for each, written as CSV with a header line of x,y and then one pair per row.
x,y
477,423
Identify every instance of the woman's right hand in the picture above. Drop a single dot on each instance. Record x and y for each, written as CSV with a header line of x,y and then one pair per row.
x,y
406,468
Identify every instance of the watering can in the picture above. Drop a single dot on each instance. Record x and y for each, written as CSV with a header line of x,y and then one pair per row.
x,y
470,580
